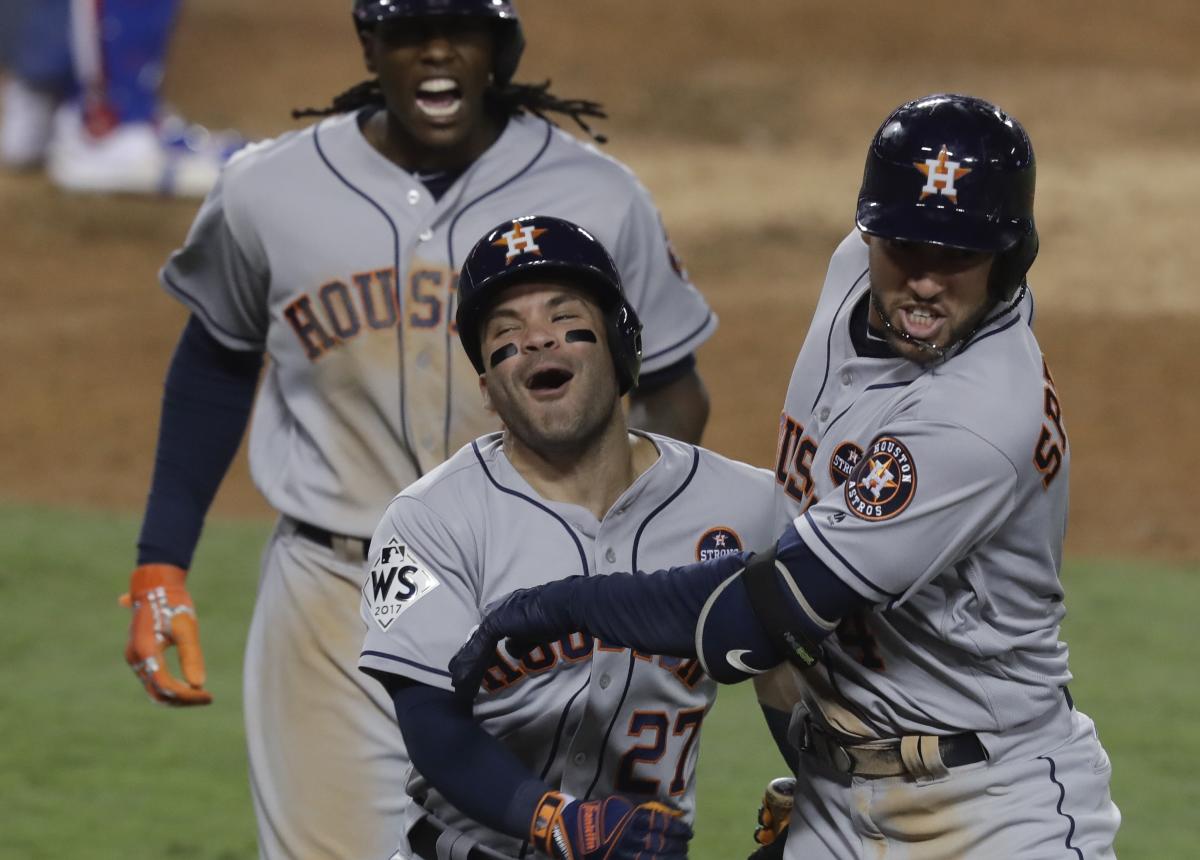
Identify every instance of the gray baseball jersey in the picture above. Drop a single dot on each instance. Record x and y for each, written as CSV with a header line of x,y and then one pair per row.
x,y
939,494
342,267
589,718
963,570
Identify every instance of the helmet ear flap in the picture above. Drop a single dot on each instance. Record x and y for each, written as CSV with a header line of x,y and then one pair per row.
x,y
510,44
625,343
1011,266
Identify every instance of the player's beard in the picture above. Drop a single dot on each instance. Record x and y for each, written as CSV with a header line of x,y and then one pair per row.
x,y
920,351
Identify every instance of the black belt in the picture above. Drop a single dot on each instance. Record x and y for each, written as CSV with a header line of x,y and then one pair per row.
x,y
886,758
423,837
329,540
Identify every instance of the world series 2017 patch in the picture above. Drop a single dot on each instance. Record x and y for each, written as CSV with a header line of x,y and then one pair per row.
x,y
717,542
395,582
884,481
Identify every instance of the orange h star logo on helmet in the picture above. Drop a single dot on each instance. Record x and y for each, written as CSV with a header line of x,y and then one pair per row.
x,y
520,240
940,174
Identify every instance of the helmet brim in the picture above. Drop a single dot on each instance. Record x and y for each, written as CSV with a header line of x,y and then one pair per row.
x,y
471,313
940,224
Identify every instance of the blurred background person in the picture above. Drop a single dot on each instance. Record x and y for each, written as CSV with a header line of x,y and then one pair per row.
x,y
83,97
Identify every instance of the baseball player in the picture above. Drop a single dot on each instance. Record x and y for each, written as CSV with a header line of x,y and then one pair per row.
x,y
578,729
335,251
922,487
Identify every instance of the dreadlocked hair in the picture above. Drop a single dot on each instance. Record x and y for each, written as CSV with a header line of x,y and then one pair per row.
x,y
361,95
510,99
537,99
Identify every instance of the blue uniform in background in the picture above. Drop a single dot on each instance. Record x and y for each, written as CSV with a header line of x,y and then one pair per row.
x,y
38,49
110,53
83,98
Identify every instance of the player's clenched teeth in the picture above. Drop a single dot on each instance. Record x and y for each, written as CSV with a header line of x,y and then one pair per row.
x,y
921,322
439,97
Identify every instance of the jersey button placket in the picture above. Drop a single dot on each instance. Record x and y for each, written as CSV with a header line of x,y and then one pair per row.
x,y
610,555
414,197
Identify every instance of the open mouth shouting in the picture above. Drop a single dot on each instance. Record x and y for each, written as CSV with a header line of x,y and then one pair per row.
x,y
439,98
548,383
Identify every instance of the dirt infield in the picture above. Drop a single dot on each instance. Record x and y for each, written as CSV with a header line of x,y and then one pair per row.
x,y
749,122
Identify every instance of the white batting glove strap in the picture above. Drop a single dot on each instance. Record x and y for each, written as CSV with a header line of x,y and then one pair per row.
x,y
163,613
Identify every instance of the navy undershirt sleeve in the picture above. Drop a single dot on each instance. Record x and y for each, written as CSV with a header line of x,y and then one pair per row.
x,y
825,592
205,408
651,612
658,612
473,770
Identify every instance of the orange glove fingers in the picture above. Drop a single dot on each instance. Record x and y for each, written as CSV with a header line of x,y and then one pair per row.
x,y
162,615
186,633
160,684
165,687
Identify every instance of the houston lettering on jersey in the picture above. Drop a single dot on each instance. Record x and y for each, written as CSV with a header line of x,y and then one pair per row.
x,y
343,309
793,462
507,670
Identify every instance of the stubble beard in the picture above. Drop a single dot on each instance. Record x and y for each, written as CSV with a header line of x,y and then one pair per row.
x,y
930,353
568,436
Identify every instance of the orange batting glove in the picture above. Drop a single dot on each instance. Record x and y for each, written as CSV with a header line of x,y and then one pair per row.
x,y
163,615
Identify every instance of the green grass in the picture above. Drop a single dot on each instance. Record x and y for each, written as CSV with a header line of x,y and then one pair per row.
x,y
88,763
88,766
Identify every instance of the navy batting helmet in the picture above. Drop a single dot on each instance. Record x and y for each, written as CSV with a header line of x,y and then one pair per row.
x,y
539,246
954,170
510,39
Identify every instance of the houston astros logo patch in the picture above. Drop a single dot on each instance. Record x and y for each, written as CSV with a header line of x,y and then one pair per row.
x,y
717,542
940,175
844,461
520,240
395,582
884,482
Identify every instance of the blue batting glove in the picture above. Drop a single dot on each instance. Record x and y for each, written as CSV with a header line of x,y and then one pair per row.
x,y
611,828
